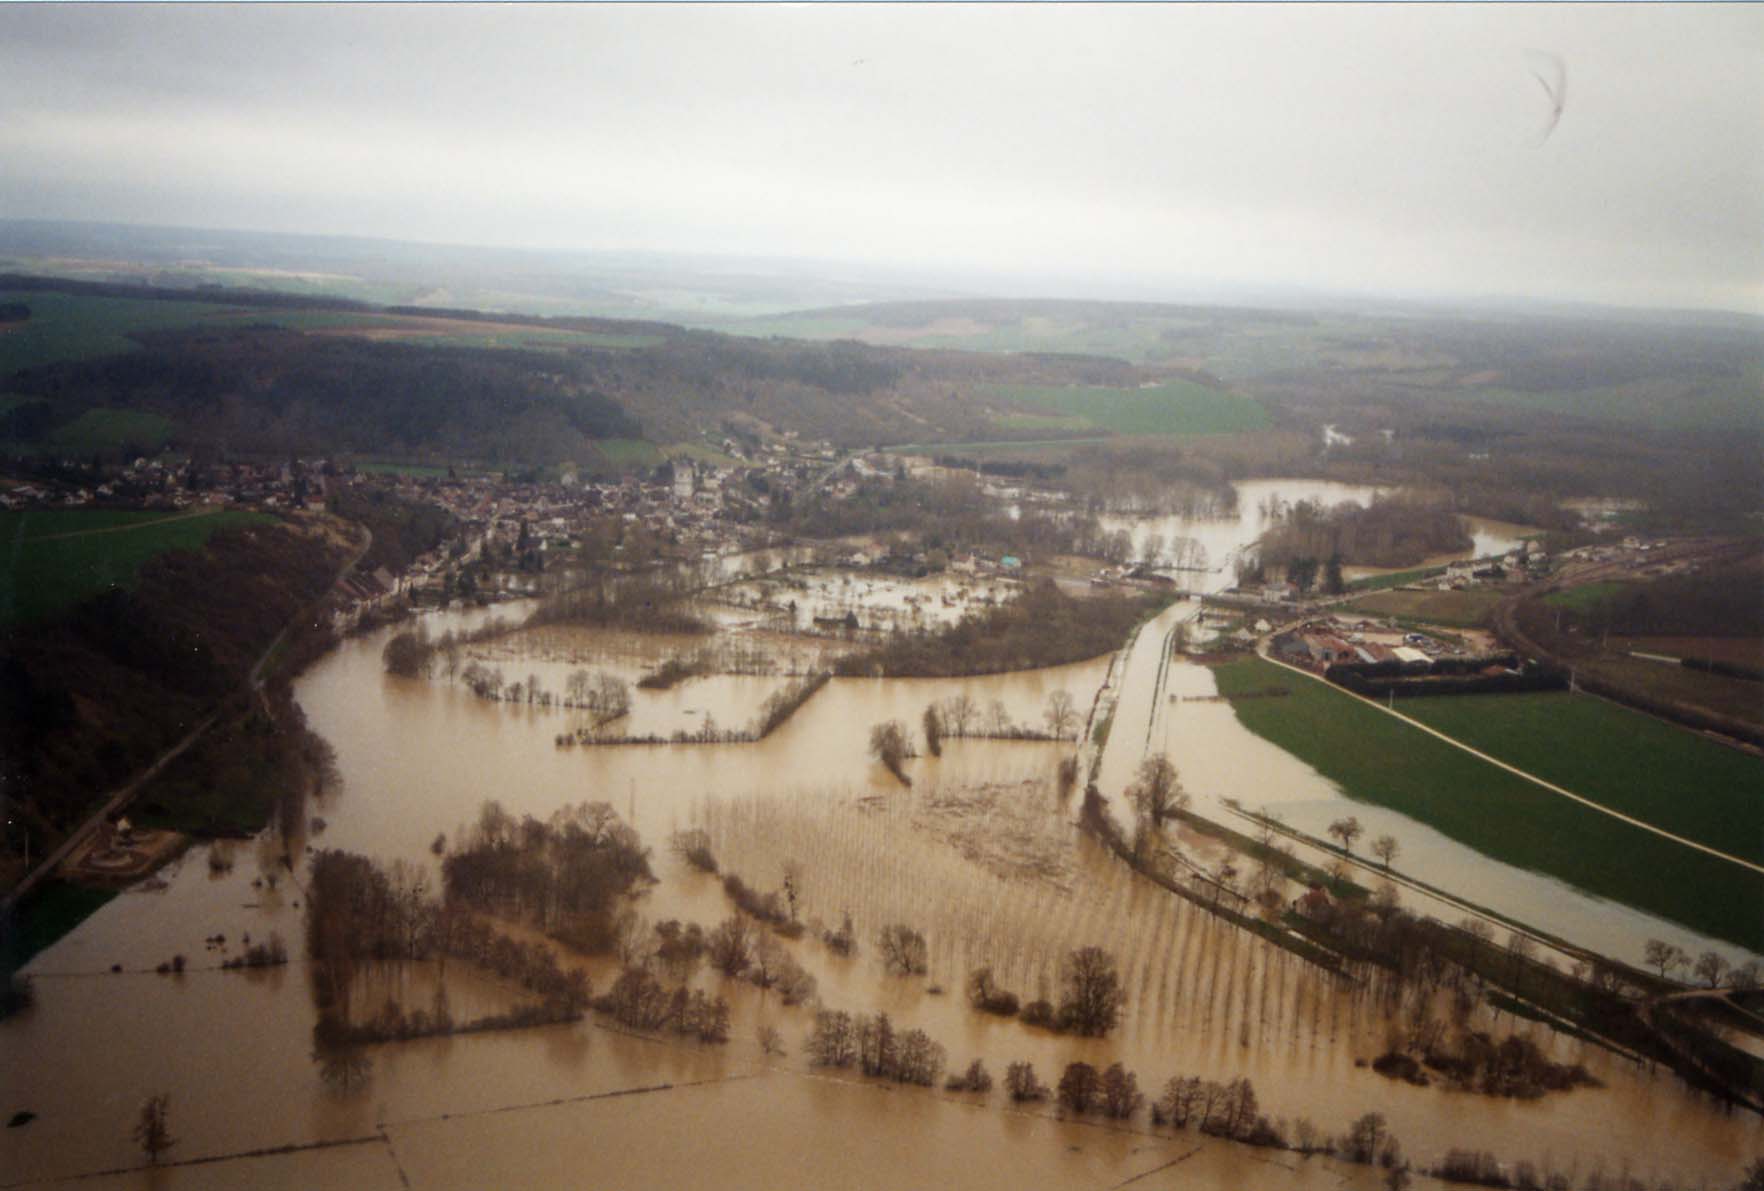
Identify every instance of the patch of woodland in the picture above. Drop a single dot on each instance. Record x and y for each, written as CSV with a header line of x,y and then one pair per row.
x,y
650,603
93,697
1513,1067
1393,531
267,389
566,876
1042,627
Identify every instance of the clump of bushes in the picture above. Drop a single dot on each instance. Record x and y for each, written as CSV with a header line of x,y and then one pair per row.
x,y
259,955
985,995
638,1000
873,1045
842,941
1022,1085
903,949
693,846
975,1079
767,907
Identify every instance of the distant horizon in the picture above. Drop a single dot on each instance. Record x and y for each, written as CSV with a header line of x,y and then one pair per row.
x,y
972,285
1599,154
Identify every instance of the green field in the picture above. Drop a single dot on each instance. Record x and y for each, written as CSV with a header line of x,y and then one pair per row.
x,y
70,327
699,453
1394,579
1584,599
1173,408
55,559
109,429
1377,758
1630,762
1047,422
1463,609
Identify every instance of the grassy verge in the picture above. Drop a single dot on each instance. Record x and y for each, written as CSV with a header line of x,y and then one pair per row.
x,y
1377,758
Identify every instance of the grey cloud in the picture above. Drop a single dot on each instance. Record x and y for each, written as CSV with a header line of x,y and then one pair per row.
x,y
1387,147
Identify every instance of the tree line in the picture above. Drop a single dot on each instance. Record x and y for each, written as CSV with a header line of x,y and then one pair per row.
x,y
1042,627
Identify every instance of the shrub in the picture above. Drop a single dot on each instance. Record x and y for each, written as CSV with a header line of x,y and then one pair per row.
x,y
693,846
1079,1087
985,995
903,950
1021,1084
842,941
975,1079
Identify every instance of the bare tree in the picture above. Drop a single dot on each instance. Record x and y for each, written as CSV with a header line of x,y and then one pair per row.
x,y
1119,1091
1347,831
903,949
959,715
1021,1084
1093,996
1078,1087
1157,790
730,945
1664,956
153,1130
1182,1095
834,1041
1711,967
1365,1138
770,1040
1061,715
998,718
1385,848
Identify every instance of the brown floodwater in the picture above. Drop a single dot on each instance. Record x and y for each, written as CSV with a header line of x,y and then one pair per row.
x,y
979,854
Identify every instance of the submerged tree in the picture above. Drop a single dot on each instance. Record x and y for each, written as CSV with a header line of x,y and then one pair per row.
x,y
1385,848
890,744
1061,716
1022,1085
153,1130
1156,790
903,949
1093,996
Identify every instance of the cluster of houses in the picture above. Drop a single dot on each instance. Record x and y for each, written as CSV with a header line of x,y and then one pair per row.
x,y
172,484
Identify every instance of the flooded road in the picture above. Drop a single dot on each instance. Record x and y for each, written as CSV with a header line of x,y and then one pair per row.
x,y
979,854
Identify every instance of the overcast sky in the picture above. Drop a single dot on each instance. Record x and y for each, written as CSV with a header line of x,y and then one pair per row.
x,y
1393,149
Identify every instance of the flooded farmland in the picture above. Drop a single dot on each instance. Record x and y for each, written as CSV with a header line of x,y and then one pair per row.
x,y
981,854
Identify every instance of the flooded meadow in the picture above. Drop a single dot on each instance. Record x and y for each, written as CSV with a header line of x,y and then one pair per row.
x,y
981,854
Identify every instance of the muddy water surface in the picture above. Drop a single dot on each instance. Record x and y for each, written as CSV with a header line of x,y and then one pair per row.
x,y
979,853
